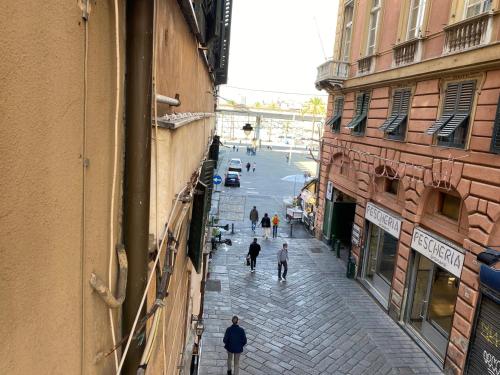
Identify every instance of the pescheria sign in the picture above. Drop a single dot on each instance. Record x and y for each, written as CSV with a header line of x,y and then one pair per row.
x,y
382,219
439,252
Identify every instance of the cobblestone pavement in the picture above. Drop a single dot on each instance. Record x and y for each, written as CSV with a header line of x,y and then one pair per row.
x,y
317,322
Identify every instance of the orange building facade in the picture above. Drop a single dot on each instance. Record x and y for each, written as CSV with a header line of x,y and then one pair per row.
x,y
410,166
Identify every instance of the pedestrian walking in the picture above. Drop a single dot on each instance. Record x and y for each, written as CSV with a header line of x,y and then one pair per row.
x,y
234,341
254,217
253,166
275,221
265,223
253,252
283,262
248,166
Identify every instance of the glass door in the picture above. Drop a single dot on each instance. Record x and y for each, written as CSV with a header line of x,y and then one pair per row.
x,y
327,219
379,260
433,304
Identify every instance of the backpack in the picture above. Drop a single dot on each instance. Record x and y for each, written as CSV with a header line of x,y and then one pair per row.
x,y
276,220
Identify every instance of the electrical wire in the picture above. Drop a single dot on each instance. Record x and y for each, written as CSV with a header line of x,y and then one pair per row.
x,y
275,92
115,172
148,284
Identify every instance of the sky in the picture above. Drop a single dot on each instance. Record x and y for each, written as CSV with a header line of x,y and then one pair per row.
x,y
275,45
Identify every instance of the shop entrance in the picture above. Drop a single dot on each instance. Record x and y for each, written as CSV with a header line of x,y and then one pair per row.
x,y
379,262
434,292
337,221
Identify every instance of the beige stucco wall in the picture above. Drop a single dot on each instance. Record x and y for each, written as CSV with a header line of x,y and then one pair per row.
x,y
54,215
180,70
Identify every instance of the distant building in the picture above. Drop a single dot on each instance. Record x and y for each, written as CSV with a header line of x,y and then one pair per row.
x,y
410,171
96,170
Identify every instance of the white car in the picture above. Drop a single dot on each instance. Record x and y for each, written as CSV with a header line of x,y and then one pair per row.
x,y
235,165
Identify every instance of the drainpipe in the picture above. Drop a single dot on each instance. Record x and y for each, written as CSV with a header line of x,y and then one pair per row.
x,y
139,51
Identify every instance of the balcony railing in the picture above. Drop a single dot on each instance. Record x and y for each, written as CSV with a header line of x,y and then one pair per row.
x,y
466,34
407,52
365,65
331,73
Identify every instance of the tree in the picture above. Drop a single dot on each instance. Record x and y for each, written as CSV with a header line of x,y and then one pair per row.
x,y
317,108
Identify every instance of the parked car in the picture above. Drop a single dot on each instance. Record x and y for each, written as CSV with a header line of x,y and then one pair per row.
x,y
235,165
232,179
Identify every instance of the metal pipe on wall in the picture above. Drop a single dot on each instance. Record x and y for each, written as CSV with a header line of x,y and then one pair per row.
x,y
174,102
139,35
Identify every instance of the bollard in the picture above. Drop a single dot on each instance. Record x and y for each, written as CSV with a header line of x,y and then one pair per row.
x,y
291,229
232,228
351,268
337,248
333,240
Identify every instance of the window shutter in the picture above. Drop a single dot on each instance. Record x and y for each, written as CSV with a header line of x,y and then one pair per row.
x,y
463,99
495,139
450,105
396,106
357,112
403,111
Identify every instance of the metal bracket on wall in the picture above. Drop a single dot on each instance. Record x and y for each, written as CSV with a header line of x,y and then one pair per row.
x,y
85,6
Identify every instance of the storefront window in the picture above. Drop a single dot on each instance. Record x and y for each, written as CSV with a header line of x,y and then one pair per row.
x,y
380,258
433,304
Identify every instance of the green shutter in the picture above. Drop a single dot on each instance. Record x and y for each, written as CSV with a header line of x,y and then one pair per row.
x,y
197,226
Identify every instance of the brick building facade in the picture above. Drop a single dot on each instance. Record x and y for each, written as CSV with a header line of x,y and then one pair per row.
x,y
410,152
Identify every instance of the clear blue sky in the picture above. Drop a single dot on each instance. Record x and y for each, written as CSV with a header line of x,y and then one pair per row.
x,y
275,45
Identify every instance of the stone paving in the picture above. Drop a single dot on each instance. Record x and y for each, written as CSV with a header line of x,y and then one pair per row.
x,y
317,322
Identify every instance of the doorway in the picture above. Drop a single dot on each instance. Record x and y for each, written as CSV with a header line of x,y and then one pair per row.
x,y
432,305
378,265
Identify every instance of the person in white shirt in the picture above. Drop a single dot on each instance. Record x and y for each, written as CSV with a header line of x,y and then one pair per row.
x,y
283,262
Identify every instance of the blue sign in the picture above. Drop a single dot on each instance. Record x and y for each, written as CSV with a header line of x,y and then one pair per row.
x,y
217,179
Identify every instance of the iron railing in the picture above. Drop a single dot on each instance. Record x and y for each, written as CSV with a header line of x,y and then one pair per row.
x,y
365,65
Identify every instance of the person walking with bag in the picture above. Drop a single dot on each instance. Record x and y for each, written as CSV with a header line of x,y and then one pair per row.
x,y
266,225
283,262
253,253
275,221
254,217
234,341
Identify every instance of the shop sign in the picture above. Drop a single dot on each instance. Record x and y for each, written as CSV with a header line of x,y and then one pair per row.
x,y
382,219
329,190
356,234
438,251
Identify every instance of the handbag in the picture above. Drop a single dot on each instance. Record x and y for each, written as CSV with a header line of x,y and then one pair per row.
x,y
248,260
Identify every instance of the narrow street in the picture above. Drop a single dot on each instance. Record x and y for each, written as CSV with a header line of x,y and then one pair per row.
x,y
318,321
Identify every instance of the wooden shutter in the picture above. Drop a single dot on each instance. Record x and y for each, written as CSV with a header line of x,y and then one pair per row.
x,y
357,112
396,106
495,137
454,102
463,105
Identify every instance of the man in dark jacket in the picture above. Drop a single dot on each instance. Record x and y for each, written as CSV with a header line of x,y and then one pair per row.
x,y
234,341
254,217
253,252
266,226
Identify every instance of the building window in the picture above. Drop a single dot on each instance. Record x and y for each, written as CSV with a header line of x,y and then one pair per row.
x,y
415,19
495,138
395,126
449,206
391,186
334,121
476,7
453,125
347,32
358,123
373,26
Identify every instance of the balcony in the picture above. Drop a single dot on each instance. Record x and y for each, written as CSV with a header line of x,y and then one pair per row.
x,y
330,74
407,52
468,33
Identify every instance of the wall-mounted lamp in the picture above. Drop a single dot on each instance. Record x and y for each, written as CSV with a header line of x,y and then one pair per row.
x,y
199,326
247,129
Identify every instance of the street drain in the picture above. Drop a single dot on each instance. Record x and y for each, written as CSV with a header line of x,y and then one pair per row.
x,y
213,286
316,250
